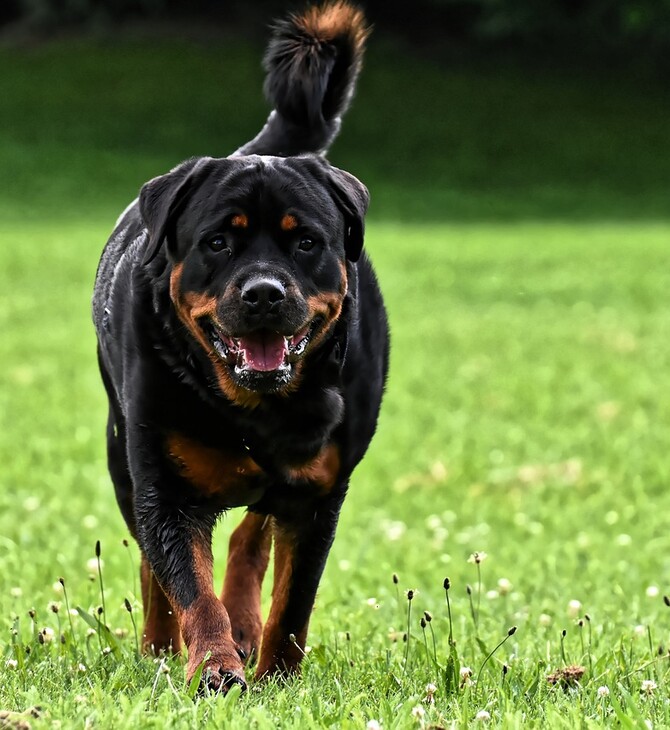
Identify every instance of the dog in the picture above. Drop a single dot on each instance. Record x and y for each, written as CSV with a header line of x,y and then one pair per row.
x,y
243,344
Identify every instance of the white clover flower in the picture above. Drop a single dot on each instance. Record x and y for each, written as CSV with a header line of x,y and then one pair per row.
x,y
603,691
57,587
418,712
640,630
373,725
438,471
92,564
652,591
345,565
648,686
90,522
431,689
492,595
483,716
16,592
433,522
11,664
91,632
466,674
81,668
574,607
504,586
544,619
394,529
31,504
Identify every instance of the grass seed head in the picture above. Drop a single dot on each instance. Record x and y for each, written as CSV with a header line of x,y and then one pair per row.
x,y
396,580
428,616
666,600
447,584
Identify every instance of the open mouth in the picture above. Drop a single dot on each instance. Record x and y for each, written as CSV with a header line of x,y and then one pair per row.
x,y
262,351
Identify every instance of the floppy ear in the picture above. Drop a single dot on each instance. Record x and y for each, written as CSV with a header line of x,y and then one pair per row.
x,y
352,198
162,198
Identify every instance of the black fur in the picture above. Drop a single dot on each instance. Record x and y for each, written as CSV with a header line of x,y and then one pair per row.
x,y
207,229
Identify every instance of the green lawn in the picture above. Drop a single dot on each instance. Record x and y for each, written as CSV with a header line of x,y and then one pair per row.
x,y
520,230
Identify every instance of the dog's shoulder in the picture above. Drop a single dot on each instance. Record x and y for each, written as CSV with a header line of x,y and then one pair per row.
x,y
121,251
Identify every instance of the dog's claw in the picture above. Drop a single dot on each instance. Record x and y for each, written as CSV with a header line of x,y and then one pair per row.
x,y
222,680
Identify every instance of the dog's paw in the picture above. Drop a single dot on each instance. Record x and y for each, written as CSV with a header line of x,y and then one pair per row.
x,y
218,674
216,678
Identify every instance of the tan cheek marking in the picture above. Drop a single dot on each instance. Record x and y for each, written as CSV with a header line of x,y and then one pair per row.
x,y
328,305
288,223
322,470
189,307
211,471
239,221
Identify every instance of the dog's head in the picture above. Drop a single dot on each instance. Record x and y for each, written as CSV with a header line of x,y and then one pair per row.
x,y
258,249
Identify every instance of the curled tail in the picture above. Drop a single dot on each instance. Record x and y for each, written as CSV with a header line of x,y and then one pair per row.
x,y
312,63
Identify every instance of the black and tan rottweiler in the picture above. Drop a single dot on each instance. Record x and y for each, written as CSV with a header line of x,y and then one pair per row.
x,y
243,344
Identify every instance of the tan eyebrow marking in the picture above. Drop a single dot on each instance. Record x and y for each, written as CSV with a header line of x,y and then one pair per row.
x,y
288,223
239,221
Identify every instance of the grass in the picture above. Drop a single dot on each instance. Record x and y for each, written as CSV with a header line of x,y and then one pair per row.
x,y
519,228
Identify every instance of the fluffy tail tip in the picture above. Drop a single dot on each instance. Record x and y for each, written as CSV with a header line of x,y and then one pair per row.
x,y
313,61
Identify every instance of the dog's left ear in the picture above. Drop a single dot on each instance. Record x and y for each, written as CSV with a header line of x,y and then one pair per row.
x,y
162,198
352,198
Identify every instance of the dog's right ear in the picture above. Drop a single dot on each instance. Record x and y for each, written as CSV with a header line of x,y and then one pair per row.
x,y
162,198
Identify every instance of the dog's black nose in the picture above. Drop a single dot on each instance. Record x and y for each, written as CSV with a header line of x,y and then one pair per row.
x,y
263,294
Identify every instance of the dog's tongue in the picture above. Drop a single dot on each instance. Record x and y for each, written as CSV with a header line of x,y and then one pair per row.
x,y
263,350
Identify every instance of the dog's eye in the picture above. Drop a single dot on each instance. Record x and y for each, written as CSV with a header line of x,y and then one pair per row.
x,y
306,243
218,244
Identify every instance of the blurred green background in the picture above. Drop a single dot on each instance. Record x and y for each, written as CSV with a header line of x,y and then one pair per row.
x,y
519,225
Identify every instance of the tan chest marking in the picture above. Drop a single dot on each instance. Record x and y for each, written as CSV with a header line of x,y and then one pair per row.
x,y
214,472
322,470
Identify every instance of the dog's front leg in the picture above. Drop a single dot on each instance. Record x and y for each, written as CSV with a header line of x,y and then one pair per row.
x,y
302,541
175,537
